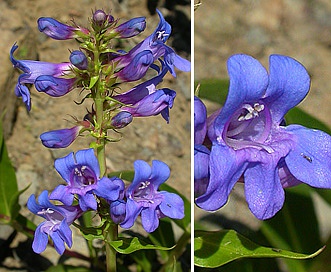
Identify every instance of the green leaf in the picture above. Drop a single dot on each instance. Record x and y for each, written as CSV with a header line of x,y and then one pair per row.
x,y
91,233
126,174
213,89
67,268
126,245
214,249
93,80
14,205
163,236
299,116
8,183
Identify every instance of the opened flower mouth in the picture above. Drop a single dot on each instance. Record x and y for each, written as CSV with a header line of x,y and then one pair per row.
x,y
83,176
249,126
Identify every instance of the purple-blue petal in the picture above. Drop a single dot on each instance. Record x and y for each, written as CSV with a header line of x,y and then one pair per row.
x,y
131,27
132,210
65,165
289,83
54,86
310,159
59,138
149,219
200,118
160,173
263,190
142,172
87,202
62,194
65,233
226,167
58,242
172,205
40,240
109,188
54,29
87,157
248,82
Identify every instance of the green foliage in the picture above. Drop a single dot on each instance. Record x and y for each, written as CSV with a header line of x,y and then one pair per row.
x,y
214,249
126,245
9,206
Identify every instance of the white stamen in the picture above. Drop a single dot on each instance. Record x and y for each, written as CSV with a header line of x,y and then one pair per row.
x,y
161,34
252,111
144,185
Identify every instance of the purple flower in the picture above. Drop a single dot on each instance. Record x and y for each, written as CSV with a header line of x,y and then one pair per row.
x,y
54,86
200,121
100,18
58,218
82,175
145,100
201,152
249,138
32,70
58,31
78,59
60,138
121,120
131,27
155,44
137,68
144,199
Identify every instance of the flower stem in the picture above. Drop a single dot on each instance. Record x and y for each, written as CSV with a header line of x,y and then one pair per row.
x,y
111,234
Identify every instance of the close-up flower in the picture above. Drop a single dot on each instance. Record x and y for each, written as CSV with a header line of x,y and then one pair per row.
x,y
143,197
249,137
82,174
58,218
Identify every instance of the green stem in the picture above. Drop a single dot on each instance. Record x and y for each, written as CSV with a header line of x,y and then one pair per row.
x,y
111,234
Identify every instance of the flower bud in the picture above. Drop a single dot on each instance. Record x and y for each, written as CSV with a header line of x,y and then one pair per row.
x,y
122,119
131,28
78,59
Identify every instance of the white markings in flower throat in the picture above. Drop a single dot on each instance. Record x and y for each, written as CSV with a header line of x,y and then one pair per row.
x,y
252,111
161,35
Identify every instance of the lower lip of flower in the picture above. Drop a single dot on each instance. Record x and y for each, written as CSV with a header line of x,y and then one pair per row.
x,y
249,126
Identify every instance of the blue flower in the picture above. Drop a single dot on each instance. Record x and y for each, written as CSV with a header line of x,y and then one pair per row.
x,y
60,138
131,27
58,218
249,138
144,198
32,70
155,44
201,152
145,100
54,86
82,175
78,59
58,31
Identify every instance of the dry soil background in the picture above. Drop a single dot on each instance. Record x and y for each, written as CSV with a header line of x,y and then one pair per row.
x,y
147,139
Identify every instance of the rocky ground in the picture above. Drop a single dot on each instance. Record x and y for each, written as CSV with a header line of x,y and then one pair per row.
x,y
146,139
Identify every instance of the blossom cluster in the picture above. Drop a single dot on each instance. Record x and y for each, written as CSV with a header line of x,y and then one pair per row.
x,y
81,174
117,66
247,140
99,69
